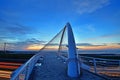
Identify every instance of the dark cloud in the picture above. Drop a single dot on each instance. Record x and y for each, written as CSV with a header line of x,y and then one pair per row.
x,y
28,42
18,29
88,44
23,44
118,43
114,44
84,44
14,28
34,41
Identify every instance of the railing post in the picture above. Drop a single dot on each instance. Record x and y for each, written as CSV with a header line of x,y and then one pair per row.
x,y
95,67
26,74
119,65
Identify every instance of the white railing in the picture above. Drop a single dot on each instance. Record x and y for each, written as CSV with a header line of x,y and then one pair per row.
x,y
23,72
100,66
104,67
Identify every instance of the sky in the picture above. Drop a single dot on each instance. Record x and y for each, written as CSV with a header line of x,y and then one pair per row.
x,y
26,24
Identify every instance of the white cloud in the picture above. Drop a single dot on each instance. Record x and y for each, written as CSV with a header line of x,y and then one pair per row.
x,y
89,6
91,28
86,27
107,36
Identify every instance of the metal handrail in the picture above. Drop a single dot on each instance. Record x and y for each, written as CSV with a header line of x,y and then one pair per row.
x,y
25,69
98,58
97,62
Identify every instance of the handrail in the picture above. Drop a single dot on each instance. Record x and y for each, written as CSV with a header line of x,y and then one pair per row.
x,y
97,63
98,58
26,69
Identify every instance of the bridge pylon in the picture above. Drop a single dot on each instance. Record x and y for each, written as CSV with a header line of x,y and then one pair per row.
x,y
73,63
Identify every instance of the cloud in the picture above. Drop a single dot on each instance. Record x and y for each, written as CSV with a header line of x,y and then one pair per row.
x,y
13,28
111,35
17,35
24,44
95,45
29,42
105,36
4,37
34,41
118,43
9,13
88,44
103,46
86,28
38,7
18,29
84,44
7,39
90,27
113,44
89,6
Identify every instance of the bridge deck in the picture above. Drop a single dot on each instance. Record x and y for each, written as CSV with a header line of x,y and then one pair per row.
x,y
54,69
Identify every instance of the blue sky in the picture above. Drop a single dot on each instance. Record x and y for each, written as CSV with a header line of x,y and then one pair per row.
x,y
27,22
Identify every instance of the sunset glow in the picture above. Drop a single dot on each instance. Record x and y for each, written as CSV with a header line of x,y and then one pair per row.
x,y
34,47
91,23
99,47
94,47
38,36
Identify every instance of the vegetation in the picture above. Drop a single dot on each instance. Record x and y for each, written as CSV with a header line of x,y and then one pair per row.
x,y
16,54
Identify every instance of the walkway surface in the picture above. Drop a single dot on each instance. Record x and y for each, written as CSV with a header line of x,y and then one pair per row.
x,y
53,68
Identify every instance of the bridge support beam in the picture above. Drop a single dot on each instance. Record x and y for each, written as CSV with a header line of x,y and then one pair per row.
x,y
73,64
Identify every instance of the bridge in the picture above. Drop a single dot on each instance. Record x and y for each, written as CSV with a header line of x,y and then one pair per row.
x,y
58,60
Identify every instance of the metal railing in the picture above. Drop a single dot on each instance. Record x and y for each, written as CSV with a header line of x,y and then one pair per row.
x,y
23,72
100,66
105,67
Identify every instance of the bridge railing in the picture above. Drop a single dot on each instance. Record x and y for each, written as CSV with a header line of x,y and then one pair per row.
x,y
100,66
23,72
104,67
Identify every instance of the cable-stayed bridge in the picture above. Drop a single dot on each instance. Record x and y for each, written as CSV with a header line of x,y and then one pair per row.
x,y
58,60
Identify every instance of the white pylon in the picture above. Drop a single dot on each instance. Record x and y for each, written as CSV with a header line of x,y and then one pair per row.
x,y
73,64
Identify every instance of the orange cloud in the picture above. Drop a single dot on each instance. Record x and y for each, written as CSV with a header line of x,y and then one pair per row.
x,y
89,47
34,47
38,47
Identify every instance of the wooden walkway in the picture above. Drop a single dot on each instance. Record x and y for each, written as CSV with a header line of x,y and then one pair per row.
x,y
53,68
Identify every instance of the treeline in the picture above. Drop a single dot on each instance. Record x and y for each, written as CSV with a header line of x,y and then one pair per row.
x,y
16,54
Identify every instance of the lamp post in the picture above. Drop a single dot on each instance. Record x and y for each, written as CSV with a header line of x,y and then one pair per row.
x,y
5,48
